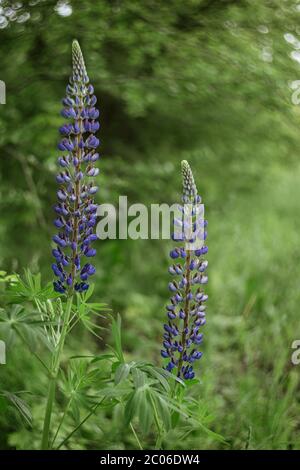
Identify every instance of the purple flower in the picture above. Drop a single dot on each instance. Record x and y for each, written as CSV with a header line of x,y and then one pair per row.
x,y
186,313
76,209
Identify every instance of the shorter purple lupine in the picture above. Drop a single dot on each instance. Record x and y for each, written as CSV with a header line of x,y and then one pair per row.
x,y
186,310
75,209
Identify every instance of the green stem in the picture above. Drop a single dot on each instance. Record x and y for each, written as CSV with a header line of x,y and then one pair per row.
x,y
54,375
136,437
81,423
61,422
48,413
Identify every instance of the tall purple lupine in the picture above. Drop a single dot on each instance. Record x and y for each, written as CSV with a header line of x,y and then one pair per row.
x,y
186,311
75,208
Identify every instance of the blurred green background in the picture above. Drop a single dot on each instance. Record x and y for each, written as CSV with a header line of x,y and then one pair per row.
x,y
210,81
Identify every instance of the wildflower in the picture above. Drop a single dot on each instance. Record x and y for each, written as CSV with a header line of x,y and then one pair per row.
x,y
186,312
75,209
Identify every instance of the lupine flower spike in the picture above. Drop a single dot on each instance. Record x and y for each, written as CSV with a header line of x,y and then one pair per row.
x,y
75,209
186,310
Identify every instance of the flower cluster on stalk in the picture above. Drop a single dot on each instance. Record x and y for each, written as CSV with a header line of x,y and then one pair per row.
x,y
186,310
75,208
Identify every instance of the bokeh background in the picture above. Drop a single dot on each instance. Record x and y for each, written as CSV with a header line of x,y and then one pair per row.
x,y
210,81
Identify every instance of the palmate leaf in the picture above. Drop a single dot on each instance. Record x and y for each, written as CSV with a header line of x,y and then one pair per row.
x,y
145,411
19,405
82,384
79,378
201,418
147,393
139,405
139,378
84,312
149,386
161,375
27,289
94,307
163,410
153,396
122,372
132,406
116,334
195,416
158,374
26,323
113,391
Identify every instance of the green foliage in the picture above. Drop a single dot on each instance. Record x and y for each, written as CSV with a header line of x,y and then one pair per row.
x,y
8,398
16,320
199,80
27,289
85,311
148,395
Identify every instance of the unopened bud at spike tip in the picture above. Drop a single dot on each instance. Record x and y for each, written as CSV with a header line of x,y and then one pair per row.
x,y
79,70
189,186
